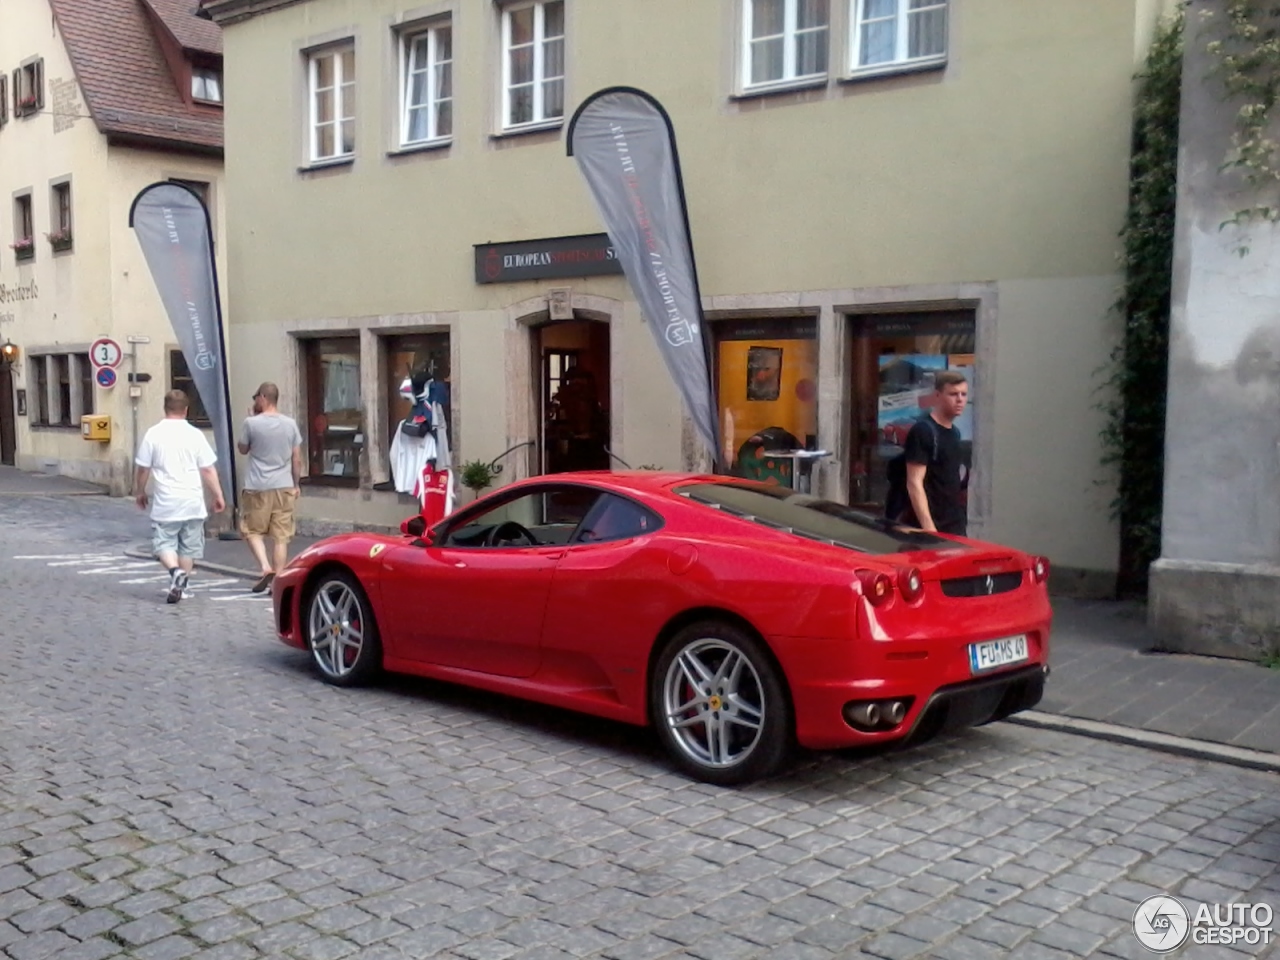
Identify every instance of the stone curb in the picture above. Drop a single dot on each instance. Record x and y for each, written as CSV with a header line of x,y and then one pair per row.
x,y
144,553
1164,742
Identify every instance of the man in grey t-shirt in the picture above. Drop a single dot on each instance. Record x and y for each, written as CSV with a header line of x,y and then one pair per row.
x,y
274,446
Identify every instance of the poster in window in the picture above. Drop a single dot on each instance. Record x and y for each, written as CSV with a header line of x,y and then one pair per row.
x,y
906,394
764,373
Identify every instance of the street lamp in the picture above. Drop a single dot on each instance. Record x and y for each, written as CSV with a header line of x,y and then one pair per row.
x,y
8,352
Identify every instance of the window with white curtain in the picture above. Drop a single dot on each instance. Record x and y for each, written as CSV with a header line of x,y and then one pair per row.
x,y
332,83
532,62
426,84
784,40
889,32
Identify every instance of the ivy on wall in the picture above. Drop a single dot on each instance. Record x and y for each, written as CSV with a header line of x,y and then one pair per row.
x,y
1246,55
1133,432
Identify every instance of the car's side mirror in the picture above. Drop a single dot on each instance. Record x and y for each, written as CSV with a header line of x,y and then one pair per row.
x,y
414,526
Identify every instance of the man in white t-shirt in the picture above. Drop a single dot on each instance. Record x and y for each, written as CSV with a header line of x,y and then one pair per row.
x,y
179,462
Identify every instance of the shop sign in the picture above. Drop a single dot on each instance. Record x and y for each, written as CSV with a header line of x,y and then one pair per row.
x,y
918,324
553,258
767,328
13,293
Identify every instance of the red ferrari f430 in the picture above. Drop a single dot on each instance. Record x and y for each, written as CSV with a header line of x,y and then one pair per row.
x,y
736,618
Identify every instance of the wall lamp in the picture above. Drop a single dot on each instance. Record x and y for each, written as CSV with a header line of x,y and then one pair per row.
x,y
8,351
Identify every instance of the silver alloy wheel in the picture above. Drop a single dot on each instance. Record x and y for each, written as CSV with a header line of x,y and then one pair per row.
x,y
713,703
337,625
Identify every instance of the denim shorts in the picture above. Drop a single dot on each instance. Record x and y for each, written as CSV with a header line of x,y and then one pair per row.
x,y
183,537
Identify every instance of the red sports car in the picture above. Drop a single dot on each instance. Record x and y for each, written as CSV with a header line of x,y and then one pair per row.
x,y
733,616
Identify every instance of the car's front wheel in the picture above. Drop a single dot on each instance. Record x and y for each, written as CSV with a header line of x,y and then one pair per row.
x,y
719,704
342,634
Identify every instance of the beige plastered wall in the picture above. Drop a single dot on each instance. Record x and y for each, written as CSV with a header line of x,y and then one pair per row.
x,y
998,185
101,287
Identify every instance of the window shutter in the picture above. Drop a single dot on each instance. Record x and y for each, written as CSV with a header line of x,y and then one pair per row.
x,y
39,76
17,91
4,100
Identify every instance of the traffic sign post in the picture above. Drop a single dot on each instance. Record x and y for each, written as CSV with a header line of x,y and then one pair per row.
x,y
106,353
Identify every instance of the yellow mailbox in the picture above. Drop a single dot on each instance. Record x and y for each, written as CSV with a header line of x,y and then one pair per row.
x,y
94,426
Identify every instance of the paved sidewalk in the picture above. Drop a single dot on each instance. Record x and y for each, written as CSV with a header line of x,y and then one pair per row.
x,y
19,483
1105,670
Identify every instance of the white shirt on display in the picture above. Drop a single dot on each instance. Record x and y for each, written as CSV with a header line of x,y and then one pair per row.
x,y
175,452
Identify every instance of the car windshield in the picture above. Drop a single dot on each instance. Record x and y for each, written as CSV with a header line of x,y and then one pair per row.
x,y
815,519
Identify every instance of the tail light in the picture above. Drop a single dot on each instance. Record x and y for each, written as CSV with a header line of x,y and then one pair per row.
x,y
1040,569
876,587
910,584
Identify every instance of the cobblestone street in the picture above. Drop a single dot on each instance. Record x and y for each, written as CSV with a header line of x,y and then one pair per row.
x,y
175,783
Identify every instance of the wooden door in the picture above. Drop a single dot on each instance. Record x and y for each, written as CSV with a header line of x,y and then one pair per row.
x,y
8,424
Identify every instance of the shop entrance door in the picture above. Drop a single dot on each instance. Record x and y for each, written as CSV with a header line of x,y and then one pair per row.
x,y
572,385
8,424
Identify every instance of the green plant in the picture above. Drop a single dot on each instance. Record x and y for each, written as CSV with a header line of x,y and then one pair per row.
x,y
477,474
1135,375
1246,51
1271,659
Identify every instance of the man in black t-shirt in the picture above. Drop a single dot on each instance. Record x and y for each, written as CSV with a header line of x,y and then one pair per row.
x,y
934,460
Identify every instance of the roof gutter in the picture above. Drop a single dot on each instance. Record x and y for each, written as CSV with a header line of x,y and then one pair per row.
x,y
224,12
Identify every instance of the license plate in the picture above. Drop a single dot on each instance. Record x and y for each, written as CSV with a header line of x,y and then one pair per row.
x,y
997,653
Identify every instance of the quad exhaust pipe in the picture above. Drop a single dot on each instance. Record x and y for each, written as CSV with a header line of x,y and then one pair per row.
x,y
873,715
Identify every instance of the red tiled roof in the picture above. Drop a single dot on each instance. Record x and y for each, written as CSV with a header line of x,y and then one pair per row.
x,y
192,32
126,80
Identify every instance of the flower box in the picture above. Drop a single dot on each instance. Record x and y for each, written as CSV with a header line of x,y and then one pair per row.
x,y
60,239
23,249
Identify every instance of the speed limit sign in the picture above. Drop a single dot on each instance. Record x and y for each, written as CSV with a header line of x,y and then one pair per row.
x,y
105,352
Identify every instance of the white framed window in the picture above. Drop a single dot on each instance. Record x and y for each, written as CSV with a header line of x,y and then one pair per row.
x,y
889,32
206,84
332,83
784,40
426,84
532,62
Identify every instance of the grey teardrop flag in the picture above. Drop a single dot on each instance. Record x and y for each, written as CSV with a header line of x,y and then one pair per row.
x,y
172,226
626,150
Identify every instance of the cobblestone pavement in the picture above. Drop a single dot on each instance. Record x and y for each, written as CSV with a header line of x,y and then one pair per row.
x,y
174,783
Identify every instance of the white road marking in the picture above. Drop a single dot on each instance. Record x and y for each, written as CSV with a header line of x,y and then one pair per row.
x,y
212,586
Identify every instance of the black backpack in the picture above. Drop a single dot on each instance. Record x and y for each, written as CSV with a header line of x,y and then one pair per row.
x,y
897,501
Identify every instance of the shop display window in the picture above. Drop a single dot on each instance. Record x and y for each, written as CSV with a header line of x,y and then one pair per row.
x,y
428,352
895,357
335,426
767,394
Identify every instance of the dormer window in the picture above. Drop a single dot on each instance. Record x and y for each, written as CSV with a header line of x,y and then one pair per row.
x,y
206,84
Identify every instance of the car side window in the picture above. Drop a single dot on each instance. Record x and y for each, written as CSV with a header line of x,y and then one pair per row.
x,y
616,518
544,516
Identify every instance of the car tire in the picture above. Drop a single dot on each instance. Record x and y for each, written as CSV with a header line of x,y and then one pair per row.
x,y
720,704
341,631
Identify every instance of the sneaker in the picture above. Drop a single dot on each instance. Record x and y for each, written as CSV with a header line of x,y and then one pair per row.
x,y
178,588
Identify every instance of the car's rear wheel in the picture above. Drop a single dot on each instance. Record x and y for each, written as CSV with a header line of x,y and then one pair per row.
x,y
719,704
342,633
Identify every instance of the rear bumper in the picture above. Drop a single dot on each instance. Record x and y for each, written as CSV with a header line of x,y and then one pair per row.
x,y
934,677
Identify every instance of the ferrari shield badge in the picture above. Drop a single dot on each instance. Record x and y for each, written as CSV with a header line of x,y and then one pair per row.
x,y
376,549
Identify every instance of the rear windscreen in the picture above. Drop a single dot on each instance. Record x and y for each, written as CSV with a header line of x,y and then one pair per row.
x,y
813,518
